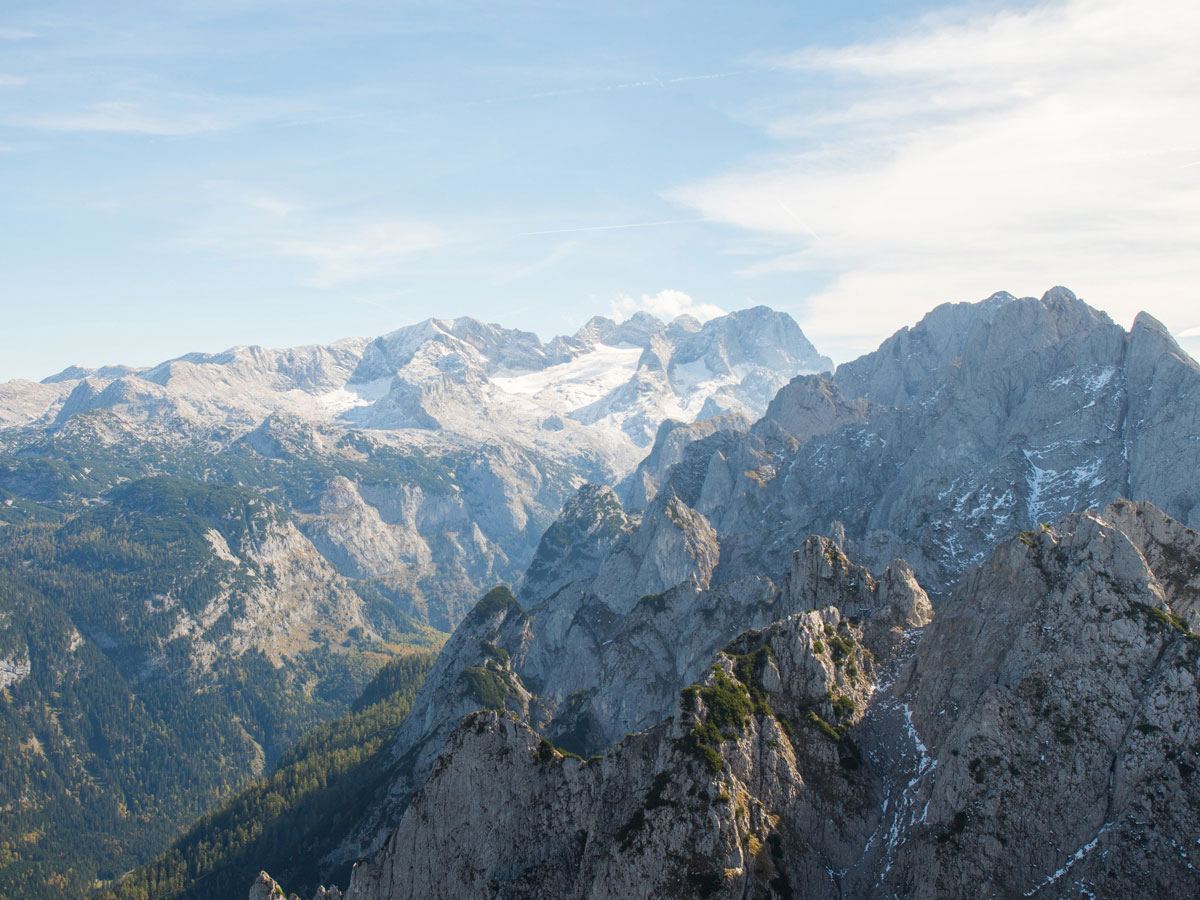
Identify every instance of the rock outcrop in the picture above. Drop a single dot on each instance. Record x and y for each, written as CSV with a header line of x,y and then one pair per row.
x,y
1014,401
980,421
1037,739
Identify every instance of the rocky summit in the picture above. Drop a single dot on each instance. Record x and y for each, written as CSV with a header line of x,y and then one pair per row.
x,y
1037,738
926,628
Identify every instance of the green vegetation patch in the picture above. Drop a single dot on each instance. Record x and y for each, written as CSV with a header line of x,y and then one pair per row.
x,y
749,669
286,821
547,752
834,733
842,648
729,705
843,706
487,687
1167,619
499,654
498,600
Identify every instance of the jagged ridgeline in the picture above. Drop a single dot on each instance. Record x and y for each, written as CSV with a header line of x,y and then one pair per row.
x,y
895,638
1039,739
289,817
427,462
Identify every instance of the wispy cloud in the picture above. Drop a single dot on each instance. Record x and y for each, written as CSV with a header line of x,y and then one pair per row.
x,y
362,251
16,34
12,80
1015,150
339,248
164,113
666,304
124,117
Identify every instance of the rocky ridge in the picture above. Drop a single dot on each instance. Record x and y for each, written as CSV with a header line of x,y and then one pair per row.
x,y
981,420
718,535
1037,739
1040,407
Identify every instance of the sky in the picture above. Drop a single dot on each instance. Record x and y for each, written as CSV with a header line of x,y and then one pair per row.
x,y
200,174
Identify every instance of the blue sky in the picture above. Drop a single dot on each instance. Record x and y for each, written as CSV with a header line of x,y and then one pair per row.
x,y
238,171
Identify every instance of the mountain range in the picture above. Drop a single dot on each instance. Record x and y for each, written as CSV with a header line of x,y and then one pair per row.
x,y
965,471
429,460
923,625
203,560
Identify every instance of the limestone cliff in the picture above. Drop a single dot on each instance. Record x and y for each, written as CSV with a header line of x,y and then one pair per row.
x,y
1038,739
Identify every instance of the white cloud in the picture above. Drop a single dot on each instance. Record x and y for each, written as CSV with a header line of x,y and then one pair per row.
x,y
12,80
273,206
245,219
361,251
124,117
16,34
164,113
1013,151
666,305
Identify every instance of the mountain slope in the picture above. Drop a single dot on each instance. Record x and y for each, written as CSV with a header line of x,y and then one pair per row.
x,y
159,649
283,819
219,550
939,481
1039,742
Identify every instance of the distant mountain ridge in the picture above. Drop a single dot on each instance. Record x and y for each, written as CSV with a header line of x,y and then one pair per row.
x,y
501,427
625,376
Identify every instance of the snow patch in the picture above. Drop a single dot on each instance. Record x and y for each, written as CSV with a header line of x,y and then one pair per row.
x,y
1066,867
569,386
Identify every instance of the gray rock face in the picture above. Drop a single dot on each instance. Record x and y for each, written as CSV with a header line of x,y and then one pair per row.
x,y
1057,695
266,888
1040,741
671,446
733,508
577,543
655,816
584,673
980,421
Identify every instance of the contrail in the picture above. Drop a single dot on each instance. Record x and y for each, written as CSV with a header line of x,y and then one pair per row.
x,y
787,209
683,78
613,227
